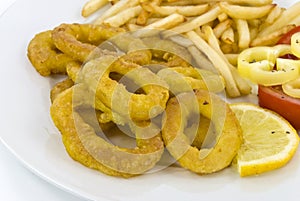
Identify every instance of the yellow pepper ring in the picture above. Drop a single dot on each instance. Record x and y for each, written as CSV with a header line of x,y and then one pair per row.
x,y
295,44
292,88
258,63
287,70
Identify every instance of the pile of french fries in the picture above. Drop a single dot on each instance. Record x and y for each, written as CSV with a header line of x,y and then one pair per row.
x,y
219,30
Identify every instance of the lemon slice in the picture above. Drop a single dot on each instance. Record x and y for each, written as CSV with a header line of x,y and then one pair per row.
x,y
269,140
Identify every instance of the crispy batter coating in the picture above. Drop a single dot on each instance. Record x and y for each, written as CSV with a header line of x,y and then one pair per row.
x,y
186,79
206,133
44,55
60,87
87,147
205,160
112,83
135,49
73,68
167,53
96,75
80,40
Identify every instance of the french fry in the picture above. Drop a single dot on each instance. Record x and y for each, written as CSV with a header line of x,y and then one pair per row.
x,y
182,10
253,33
163,24
116,8
201,59
229,48
211,23
199,32
242,84
145,14
124,16
92,6
232,58
113,2
193,2
182,41
167,22
215,28
228,36
133,27
274,14
217,61
243,33
285,18
184,2
212,40
296,21
142,17
152,20
251,2
272,38
222,17
197,22
255,22
245,12
149,21
221,27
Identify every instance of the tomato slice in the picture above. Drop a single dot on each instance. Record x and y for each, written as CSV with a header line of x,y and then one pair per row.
x,y
286,38
274,99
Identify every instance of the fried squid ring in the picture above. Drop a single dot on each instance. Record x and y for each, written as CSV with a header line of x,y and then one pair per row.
x,y
184,79
85,146
80,40
73,69
60,87
205,160
167,53
44,55
206,133
135,49
138,107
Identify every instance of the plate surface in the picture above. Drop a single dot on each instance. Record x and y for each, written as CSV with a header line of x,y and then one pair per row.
x,y
28,132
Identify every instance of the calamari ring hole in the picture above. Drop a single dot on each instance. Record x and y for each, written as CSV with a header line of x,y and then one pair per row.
x,y
129,84
201,134
201,131
116,135
120,135
132,87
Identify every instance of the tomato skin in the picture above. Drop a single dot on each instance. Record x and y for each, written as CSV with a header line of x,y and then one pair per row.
x,y
274,99
286,38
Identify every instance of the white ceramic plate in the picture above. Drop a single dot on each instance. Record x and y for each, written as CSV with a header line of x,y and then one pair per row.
x,y
27,129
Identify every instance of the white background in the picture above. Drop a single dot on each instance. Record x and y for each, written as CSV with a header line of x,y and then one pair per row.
x,y
18,183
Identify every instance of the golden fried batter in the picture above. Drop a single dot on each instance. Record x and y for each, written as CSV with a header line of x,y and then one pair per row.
x,y
186,79
96,75
205,160
88,148
206,133
44,55
60,87
79,41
